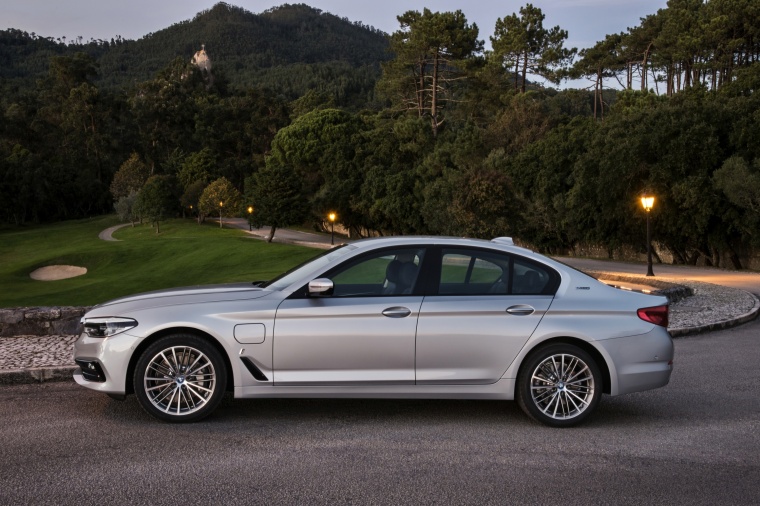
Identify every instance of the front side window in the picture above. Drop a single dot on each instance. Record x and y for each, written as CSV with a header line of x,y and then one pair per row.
x,y
386,272
315,264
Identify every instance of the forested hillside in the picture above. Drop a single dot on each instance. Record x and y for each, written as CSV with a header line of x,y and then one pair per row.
x,y
452,140
291,49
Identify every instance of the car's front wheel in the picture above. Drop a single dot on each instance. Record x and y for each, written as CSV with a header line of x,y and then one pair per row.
x,y
559,385
180,378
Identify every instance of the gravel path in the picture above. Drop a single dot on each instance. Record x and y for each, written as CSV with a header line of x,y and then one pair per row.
x,y
107,234
709,304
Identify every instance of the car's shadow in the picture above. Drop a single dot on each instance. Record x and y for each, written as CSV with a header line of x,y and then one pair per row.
x,y
632,410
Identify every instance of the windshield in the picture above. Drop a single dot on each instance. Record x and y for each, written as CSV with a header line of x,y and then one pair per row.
x,y
310,266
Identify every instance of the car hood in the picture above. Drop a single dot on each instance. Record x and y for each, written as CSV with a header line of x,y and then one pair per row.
x,y
174,296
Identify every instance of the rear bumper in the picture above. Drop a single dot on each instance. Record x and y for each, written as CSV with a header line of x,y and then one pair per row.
x,y
641,362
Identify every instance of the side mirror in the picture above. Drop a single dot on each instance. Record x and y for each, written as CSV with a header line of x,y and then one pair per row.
x,y
321,286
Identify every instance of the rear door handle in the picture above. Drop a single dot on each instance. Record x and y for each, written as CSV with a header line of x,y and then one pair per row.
x,y
520,310
397,312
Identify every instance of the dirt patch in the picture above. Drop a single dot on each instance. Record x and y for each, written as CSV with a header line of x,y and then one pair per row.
x,y
55,272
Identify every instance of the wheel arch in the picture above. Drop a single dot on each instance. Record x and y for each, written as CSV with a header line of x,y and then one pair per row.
x,y
145,343
585,346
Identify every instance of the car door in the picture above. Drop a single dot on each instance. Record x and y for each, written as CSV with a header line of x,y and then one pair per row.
x,y
486,306
361,334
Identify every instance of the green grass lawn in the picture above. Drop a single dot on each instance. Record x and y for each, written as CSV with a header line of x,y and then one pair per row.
x,y
183,254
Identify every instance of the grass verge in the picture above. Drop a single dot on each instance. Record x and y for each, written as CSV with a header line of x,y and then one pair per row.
x,y
183,254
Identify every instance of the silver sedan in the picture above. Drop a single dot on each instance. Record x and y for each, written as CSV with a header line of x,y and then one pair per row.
x,y
401,317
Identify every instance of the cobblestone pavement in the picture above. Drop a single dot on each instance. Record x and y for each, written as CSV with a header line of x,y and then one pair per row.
x,y
29,352
710,304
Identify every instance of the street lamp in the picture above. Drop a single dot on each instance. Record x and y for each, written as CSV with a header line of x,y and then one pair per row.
x,y
221,204
647,201
332,217
250,215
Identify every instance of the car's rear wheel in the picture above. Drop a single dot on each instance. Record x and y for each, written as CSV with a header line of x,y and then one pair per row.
x,y
559,385
180,378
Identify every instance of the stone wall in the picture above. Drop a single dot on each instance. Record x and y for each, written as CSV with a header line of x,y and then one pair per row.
x,y
40,321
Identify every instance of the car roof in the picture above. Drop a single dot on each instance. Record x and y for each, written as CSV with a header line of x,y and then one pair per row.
x,y
504,244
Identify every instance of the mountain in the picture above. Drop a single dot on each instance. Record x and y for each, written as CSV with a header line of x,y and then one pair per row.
x,y
291,49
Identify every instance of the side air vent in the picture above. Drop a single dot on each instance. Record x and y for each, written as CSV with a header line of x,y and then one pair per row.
x,y
255,371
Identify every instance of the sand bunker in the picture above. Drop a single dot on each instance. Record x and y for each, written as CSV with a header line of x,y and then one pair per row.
x,y
55,272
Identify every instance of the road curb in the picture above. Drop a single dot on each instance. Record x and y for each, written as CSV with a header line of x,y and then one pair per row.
x,y
37,375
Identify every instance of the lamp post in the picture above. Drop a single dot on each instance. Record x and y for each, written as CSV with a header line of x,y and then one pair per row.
x,y
250,215
647,201
332,217
221,204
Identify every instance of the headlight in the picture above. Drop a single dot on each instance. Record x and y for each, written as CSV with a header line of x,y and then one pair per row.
x,y
107,326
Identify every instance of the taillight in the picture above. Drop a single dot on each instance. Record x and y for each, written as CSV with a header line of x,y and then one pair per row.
x,y
657,315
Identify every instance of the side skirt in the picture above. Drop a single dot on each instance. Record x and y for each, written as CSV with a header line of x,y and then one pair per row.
x,y
503,389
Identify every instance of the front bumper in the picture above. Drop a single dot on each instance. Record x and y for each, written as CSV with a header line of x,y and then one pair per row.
x,y
109,357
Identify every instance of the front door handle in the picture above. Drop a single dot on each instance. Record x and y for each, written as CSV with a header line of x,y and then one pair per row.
x,y
520,310
397,312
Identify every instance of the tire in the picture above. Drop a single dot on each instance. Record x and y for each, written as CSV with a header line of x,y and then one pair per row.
x,y
165,389
559,385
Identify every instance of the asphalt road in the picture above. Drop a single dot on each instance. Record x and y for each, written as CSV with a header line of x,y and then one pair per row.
x,y
696,441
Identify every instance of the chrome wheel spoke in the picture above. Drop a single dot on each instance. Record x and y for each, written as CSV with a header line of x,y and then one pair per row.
x,y
158,387
199,387
572,378
169,388
571,394
164,379
190,367
201,399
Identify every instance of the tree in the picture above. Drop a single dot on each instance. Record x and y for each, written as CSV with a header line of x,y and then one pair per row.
x,y
474,202
392,188
323,147
198,166
220,196
740,183
156,199
599,62
238,130
431,51
126,207
278,198
522,43
639,46
191,197
164,109
130,177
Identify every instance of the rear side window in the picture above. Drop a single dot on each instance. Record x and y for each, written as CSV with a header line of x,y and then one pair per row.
x,y
530,278
466,272
481,272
